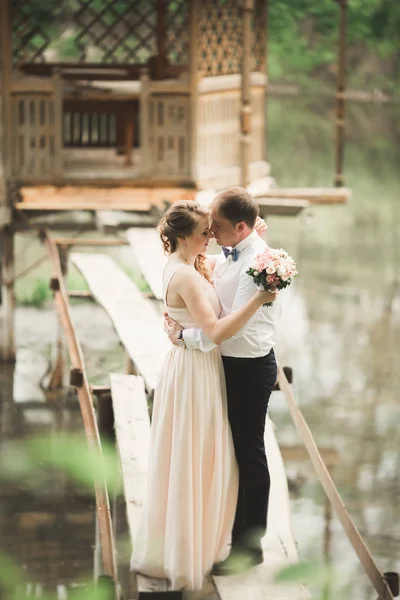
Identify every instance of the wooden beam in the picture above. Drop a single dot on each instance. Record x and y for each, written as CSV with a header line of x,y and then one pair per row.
x,y
340,94
282,206
315,195
79,294
6,71
90,242
129,198
8,296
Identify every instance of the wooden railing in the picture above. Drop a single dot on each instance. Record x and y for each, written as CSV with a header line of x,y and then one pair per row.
x,y
376,577
80,382
36,128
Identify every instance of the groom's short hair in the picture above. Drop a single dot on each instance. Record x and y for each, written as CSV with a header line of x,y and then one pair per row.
x,y
236,205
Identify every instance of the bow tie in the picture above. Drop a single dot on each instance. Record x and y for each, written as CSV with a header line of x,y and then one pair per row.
x,y
233,253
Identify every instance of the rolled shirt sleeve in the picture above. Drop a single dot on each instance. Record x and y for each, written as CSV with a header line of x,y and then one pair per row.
x,y
196,339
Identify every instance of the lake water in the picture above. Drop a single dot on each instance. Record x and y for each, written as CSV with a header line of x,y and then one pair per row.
x,y
339,330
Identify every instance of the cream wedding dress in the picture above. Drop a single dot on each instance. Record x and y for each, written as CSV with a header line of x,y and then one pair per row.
x,y
192,476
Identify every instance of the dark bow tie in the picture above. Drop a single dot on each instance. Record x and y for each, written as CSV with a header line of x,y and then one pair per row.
x,y
234,253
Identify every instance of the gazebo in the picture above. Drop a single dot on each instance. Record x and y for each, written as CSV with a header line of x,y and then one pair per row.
x,y
135,90
127,104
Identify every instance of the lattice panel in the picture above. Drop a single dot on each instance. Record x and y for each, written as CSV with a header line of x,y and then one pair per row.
x,y
32,23
122,30
177,31
220,38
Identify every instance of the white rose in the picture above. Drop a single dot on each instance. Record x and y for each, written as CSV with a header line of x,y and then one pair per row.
x,y
255,273
281,271
270,270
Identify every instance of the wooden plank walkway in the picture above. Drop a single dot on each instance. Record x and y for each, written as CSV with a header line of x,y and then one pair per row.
x,y
149,255
132,428
135,319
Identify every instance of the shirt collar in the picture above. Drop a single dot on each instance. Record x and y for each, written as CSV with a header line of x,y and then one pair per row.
x,y
248,241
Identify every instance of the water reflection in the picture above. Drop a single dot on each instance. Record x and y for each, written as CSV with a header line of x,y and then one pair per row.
x,y
47,526
340,329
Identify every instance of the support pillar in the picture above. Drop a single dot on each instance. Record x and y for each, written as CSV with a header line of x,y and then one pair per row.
x,y
7,350
57,376
245,112
340,94
194,77
267,78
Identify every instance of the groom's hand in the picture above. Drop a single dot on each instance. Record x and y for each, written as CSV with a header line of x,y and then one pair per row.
x,y
172,329
260,226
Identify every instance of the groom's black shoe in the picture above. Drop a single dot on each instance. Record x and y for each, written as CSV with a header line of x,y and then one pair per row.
x,y
238,561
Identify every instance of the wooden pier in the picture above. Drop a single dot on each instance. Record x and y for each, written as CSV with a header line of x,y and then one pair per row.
x,y
133,313
140,328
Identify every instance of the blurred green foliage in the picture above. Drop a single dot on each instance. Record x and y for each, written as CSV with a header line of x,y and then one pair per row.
x,y
32,462
303,38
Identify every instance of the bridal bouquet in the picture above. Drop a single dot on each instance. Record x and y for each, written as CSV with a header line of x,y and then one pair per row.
x,y
273,268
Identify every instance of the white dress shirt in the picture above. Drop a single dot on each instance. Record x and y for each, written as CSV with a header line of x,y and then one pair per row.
x,y
234,288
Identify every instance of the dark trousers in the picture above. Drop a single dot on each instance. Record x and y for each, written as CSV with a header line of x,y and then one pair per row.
x,y
249,383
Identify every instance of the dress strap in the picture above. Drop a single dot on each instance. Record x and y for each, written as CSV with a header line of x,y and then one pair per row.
x,y
169,280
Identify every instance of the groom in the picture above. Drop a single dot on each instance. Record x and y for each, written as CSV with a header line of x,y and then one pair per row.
x,y
249,364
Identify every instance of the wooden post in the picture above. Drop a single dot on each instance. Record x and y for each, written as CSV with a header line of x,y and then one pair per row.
x,y
8,296
161,60
58,125
146,166
245,113
129,132
194,19
6,69
56,381
266,144
340,94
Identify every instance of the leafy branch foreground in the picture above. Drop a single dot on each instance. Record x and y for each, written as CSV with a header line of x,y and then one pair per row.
x,y
34,463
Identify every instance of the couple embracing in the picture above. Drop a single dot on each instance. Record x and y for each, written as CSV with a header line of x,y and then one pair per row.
x,y
208,479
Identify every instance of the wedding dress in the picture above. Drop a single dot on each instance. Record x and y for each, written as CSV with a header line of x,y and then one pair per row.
x,y
192,485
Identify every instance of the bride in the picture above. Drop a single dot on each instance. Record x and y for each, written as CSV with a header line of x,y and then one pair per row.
x,y
192,485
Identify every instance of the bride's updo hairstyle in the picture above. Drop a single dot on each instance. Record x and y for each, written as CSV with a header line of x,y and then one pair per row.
x,y
180,220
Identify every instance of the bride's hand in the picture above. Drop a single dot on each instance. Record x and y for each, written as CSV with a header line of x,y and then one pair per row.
x,y
172,329
266,295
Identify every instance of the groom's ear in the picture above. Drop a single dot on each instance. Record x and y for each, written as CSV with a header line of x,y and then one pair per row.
x,y
240,227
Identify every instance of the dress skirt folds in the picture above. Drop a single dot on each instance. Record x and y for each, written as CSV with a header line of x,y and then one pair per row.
x,y
192,485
